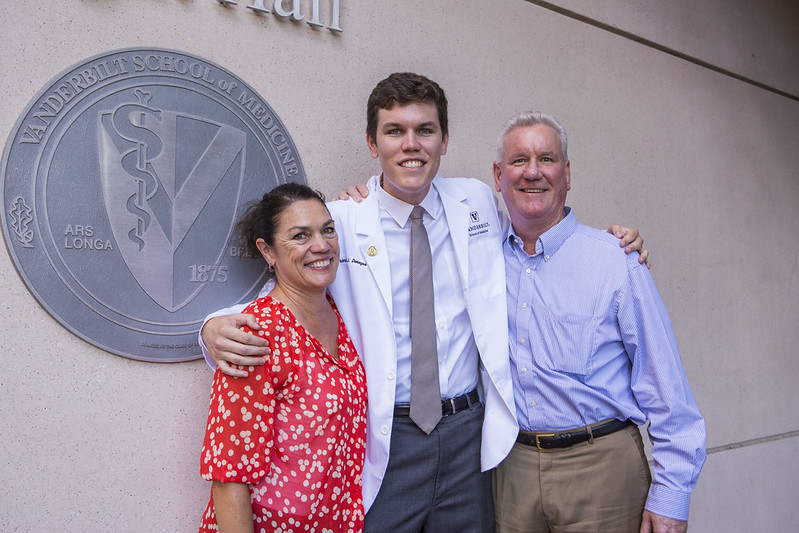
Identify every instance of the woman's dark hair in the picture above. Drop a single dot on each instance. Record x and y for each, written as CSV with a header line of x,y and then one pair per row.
x,y
260,218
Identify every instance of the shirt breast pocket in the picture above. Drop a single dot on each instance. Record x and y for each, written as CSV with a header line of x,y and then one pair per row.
x,y
567,342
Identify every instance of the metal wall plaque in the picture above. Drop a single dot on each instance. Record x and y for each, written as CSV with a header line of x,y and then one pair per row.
x,y
121,184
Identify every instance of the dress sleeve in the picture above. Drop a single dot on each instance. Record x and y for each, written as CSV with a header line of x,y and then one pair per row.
x,y
240,429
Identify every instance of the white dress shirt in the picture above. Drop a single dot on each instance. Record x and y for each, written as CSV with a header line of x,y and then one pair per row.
x,y
457,351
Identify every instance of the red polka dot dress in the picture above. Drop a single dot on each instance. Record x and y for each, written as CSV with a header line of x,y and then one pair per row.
x,y
294,430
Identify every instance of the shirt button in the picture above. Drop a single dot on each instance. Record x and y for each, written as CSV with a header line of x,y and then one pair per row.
x,y
522,340
391,376
528,270
546,256
533,404
524,305
524,370
441,326
384,430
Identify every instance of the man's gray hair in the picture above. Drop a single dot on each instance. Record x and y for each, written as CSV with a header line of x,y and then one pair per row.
x,y
531,118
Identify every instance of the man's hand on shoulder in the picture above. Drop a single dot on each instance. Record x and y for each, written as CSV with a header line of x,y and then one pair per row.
x,y
631,241
228,345
655,523
356,192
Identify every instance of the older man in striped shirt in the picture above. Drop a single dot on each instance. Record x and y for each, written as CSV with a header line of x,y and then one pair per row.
x,y
593,355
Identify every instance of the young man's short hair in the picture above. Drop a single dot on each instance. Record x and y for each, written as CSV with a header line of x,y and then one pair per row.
x,y
405,88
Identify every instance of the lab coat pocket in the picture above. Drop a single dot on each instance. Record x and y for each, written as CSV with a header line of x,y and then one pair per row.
x,y
486,268
567,342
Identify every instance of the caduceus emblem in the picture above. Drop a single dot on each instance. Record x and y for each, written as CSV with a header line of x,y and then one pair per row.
x,y
128,122
156,180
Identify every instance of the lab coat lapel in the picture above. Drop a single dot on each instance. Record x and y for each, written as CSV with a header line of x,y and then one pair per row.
x,y
372,247
457,213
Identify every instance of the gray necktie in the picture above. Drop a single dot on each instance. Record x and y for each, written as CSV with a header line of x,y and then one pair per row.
x,y
425,395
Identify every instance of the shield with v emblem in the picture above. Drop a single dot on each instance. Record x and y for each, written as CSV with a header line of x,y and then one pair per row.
x,y
122,183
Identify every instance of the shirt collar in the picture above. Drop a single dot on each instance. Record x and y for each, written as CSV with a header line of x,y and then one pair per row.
x,y
552,239
400,211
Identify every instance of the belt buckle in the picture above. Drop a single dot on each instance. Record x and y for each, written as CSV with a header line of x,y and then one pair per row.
x,y
451,402
538,442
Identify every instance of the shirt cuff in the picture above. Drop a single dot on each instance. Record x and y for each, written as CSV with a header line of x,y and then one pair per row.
x,y
667,502
208,360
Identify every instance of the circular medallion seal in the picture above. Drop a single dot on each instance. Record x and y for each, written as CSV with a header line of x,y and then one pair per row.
x,y
121,185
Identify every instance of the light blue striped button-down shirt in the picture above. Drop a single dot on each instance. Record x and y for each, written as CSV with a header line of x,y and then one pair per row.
x,y
590,339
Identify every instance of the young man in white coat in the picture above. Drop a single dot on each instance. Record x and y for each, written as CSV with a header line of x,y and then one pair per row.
x,y
434,479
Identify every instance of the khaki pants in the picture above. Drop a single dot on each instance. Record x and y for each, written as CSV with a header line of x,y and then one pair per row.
x,y
590,487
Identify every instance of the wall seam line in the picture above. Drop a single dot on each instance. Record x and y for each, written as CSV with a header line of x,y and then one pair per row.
x,y
659,47
752,442
746,443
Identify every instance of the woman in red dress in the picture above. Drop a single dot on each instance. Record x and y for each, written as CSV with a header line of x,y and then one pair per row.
x,y
284,446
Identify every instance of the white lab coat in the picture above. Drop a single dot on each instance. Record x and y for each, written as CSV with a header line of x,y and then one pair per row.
x,y
362,292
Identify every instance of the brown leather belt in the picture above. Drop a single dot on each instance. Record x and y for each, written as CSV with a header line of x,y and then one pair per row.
x,y
567,438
